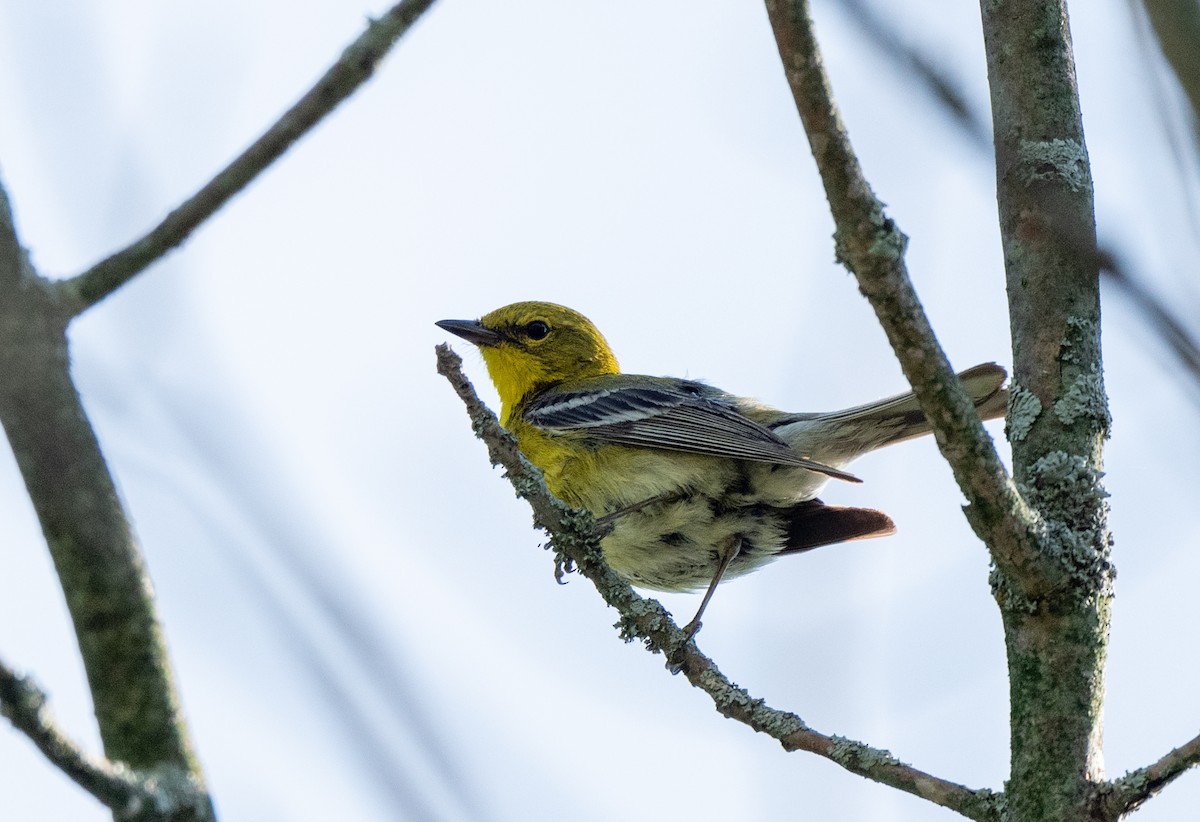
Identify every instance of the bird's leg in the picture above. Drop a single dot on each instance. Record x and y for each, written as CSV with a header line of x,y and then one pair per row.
x,y
731,549
607,522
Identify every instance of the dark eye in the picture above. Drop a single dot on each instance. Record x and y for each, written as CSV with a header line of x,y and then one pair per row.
x,y
537,330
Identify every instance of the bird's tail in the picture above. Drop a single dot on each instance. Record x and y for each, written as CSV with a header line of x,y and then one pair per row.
x,y
837,437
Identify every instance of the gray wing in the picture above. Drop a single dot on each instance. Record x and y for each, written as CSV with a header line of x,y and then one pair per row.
x,y
674,415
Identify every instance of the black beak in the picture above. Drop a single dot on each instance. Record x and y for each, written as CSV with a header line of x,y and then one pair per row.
x,y
472,331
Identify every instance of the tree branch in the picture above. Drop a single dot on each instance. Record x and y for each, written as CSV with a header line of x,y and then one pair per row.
x,y
127,793
1124,795
89,536
872,247
91,541
355,66
1056,646
576,541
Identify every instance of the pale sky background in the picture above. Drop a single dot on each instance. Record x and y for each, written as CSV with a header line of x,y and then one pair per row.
x,y
363,624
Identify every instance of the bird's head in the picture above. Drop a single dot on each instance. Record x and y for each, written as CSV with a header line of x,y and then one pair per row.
x,y
531,346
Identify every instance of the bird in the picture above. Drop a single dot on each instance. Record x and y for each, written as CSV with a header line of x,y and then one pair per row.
x,y
691,485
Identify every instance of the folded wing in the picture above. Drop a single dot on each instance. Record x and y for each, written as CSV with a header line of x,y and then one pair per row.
x,y
674,415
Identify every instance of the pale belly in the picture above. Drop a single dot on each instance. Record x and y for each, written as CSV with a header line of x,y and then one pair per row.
x,y
677,545
701,508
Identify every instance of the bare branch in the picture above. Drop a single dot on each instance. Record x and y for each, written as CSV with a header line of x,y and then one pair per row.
x,y
355,66
872,247
130,794
1121,796
576,540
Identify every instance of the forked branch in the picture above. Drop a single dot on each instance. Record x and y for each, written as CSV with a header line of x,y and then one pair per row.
x,y
872,247
129,794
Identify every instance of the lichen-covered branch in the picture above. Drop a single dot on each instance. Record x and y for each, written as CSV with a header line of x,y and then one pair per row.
x,y
872,247
355,66
1047,530
1124,795
576,541
164,794
1057,643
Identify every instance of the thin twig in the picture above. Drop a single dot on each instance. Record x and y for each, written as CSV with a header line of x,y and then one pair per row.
x,y
872,247
127,793
355,66
1124,795
576,540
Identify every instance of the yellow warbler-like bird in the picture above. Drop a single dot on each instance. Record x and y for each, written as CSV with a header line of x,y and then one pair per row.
x,y
696,485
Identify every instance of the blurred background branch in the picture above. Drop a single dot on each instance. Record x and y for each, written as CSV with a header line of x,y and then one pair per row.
x,y
87,531
1177,27
86,527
